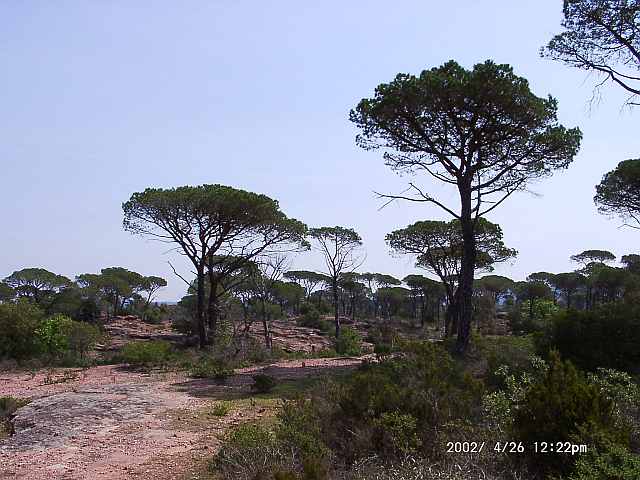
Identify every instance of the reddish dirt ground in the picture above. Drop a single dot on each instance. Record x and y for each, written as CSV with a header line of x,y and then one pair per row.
x,y
108,422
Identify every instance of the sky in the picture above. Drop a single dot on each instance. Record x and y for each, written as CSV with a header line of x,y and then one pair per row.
x,y
100,99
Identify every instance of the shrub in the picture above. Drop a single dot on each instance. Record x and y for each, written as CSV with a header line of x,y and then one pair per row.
x,y
210,368
513,352
82,337
499,405
249,452
146,354
605,337
182,320
311,319
60,334
220,409
607,462
397,434
563,407
300,430
349,343
52,334
624,392
263,383
18,324
391,407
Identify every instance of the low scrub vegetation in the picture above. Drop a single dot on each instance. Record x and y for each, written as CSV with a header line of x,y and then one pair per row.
x,y
263,383
147,354
394,419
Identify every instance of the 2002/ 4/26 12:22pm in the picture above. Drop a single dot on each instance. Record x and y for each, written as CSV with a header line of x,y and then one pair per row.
x,y
517,447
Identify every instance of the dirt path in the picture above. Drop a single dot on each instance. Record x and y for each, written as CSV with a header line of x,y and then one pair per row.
x,y
107,422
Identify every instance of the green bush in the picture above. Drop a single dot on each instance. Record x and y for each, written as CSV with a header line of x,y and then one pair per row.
x,y
606,337
397,433
300,430
220,409
513,352
500,404
390,408
82,337
563,407
610,461
210,368
311,319
263,383
249,452
18,324
60,335
52,334
146,354
349,343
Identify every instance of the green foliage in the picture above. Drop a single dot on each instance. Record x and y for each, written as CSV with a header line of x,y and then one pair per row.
x,y
601,36
249,452
36,283
18,324
398,434
82,336
609,461
624,392
382,351
207,367
52,333
563,407
532,316
349,343
8,405
399,405
300,429
311,319
263,383
147,354
511,351
7,293
618,194
220,409
607,337
499,406
439,245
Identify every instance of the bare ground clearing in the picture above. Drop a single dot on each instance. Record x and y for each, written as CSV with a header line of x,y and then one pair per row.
x,y
107,422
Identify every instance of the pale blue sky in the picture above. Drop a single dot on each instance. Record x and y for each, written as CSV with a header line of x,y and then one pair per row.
x,y
99,99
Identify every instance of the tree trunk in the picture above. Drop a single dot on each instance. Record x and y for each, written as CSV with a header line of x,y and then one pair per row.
x,y
265,325
212,307
336,306
202,332
465,281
